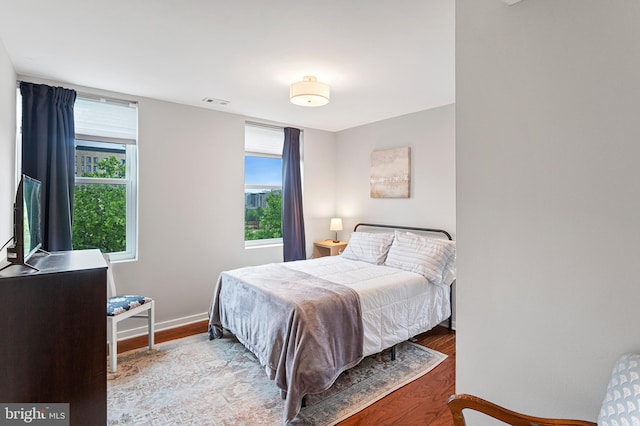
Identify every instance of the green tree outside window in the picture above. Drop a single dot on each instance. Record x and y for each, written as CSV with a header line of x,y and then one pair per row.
x,y
100,210
269,219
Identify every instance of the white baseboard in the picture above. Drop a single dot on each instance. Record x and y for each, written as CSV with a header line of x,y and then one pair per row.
x,y
159,326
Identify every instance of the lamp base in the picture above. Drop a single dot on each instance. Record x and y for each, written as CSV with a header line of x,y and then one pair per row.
x,y
335,241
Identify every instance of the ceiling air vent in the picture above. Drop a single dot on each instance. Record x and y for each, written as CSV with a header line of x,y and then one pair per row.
x,y
215,101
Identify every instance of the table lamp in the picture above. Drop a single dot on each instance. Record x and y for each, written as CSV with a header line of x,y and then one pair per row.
x,y
336,225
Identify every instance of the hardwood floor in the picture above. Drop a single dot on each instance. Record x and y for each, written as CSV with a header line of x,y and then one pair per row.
x,y
163,336
421,402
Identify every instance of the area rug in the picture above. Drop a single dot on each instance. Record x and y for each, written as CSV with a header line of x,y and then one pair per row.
x,y
194,381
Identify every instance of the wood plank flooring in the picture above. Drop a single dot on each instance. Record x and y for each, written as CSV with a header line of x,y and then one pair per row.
x,y
163,336
421,402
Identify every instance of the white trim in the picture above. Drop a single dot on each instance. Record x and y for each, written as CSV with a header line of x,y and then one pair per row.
x,y
265,125
100,181
266,242
265,187
159,326
108,99
93,138
130,144
261,154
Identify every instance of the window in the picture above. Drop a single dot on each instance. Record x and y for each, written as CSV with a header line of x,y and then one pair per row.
x,y
105,204
263,185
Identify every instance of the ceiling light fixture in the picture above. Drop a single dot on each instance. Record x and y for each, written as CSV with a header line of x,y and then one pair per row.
x,y
309,92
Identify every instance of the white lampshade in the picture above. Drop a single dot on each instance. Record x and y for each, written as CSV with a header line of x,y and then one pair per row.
x,y
309,92
336,224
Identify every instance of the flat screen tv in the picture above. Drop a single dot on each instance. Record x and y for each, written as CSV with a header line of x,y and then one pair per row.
x,y
27,236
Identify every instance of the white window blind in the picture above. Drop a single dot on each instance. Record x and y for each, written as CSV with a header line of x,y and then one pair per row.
x,y
263,140
105,119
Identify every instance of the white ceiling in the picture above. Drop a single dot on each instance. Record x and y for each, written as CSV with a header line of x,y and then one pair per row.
x,y
382,58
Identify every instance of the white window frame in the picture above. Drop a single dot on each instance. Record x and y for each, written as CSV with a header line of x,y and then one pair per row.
x,y
130,181
253,152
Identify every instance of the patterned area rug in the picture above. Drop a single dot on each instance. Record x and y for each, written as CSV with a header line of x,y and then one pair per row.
x,y
194,381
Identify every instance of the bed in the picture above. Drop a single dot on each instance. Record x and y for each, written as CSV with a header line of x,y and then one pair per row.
x,y
308,321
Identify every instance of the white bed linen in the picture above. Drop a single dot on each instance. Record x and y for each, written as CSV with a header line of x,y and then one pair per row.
x,y
396,305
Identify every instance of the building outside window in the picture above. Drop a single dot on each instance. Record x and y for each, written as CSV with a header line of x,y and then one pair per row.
x,y
105,201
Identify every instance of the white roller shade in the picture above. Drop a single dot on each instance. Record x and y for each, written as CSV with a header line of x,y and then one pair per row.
x,y
263,140
106,119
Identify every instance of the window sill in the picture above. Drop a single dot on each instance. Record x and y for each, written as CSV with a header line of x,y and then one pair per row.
x,y
121,257
261,245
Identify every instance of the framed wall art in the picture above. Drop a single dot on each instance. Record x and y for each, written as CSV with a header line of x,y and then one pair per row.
x,y
390,173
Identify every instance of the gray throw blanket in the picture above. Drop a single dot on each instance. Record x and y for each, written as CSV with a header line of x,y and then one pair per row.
x,y
303,329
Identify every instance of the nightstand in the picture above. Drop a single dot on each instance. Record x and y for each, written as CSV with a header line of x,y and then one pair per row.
x,y
328,248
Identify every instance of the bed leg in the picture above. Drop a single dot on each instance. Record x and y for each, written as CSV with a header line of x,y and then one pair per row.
x,y
393,353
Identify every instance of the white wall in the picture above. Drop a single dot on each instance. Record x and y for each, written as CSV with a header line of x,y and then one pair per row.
x,y
319,180
191,202
431,136
432,203
548,131
191,205
191,175
7,147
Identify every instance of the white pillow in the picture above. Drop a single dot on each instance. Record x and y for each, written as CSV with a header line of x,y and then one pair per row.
x,y
450,270
368,247
429,257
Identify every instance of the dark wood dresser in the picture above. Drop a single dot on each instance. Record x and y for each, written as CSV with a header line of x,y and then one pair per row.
x,y
53,333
